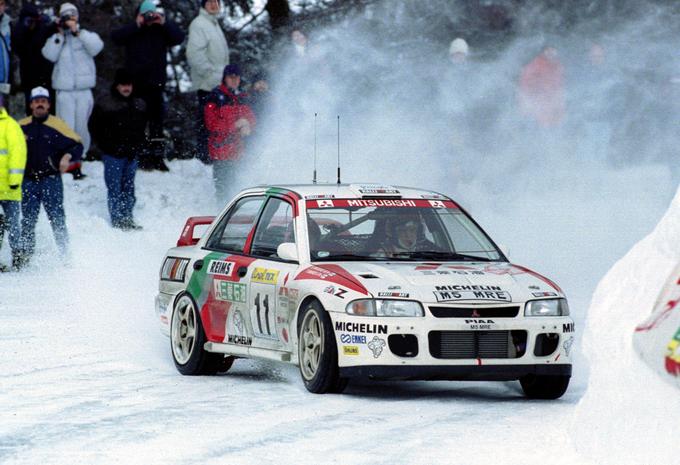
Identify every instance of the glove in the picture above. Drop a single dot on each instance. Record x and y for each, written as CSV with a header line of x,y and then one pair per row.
x,y
14,187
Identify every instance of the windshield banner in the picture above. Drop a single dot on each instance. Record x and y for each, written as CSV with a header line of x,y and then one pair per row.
x,y
387,203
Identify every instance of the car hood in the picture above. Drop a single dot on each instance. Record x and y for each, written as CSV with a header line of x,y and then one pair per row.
x,y
451,282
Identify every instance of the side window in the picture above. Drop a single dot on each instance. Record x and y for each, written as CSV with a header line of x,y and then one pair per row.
x,y
232,232
275,228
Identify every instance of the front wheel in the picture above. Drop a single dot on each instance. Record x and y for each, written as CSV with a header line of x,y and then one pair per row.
x,y
317,351
187,339
544,386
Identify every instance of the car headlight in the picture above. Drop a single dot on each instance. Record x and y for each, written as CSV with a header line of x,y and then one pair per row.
x,y
381,307
549,307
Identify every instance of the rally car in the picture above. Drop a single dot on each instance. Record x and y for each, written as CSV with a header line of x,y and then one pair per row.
x,y
360,280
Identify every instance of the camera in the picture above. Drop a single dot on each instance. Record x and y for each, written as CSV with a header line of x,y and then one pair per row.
x,y
63,19
150,16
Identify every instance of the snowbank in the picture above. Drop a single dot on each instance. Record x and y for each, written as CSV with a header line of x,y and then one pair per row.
x,y
641,407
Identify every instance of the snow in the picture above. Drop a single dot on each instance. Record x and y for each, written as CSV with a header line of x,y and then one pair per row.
x,y
86,376
640,405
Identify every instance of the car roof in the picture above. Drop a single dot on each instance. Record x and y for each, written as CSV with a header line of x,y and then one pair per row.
x,y
348,191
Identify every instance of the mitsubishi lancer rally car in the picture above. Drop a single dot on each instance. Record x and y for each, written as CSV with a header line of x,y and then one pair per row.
x,y
360,281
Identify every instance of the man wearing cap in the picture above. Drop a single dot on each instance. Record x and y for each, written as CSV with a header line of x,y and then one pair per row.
x,y
229,120
119,127
52,146
12,164
146,41
459,50
207,54
72,50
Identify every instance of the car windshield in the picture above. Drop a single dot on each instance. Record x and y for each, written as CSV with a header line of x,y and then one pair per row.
x,y
395,229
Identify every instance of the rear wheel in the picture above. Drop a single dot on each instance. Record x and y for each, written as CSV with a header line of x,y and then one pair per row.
x,y
544,386
317,351
187,339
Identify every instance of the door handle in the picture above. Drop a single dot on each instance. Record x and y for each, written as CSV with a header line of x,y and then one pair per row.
x,y
198,264
242,271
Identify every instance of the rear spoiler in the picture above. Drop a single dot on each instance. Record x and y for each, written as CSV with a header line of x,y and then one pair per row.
x,y
187,237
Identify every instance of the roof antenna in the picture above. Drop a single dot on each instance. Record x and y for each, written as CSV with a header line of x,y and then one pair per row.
x,y
338,149
314,180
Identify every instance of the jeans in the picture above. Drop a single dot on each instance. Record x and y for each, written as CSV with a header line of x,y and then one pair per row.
x,y
12,209
119,176
224,176
48,192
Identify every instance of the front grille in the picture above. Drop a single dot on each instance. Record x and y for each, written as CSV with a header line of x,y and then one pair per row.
x,y
474,312
477,344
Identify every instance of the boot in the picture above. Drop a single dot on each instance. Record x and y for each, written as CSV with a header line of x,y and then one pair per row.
x,y
19,260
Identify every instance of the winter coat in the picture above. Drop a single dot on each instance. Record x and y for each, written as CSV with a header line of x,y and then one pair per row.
x,y
118,125
27,44
5,49
146,49
73,58
12,157
541,91
207,51
224,108
47,141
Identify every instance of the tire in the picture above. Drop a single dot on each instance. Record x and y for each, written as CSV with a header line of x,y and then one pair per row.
x,y
544,386
318,351
187,338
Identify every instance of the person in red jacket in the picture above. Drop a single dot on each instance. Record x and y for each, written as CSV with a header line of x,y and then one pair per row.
x,y
229,121
541,89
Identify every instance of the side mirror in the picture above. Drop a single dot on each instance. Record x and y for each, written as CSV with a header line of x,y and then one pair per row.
x,y
287,251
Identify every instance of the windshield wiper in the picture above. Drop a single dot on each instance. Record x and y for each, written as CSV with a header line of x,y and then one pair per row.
x,y
349,257
433,255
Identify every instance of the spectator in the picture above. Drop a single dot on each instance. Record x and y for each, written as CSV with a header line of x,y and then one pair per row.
x,y
299,40
207,54
12,165
28,38
5,50
52,146
259,96
146,42
229,120
72,50
118,126
459,50
541,89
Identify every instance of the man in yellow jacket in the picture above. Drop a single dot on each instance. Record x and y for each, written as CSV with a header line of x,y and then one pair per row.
x,y
12,164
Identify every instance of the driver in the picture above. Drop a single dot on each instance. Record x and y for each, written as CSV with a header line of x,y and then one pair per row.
x,y
403,236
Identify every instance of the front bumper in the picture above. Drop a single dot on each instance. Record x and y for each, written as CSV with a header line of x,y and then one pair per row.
x,y
453,348
454,373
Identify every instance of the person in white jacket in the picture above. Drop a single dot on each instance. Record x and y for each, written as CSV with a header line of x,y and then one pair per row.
x,y
207,55
72,50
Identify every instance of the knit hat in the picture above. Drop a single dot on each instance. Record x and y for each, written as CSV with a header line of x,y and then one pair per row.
x,y
231,70
123,76
459,45
203,2
29,10
146,6
39,92
68,8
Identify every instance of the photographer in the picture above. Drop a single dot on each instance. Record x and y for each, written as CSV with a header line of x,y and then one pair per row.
x,y
72,50
28,38
146,41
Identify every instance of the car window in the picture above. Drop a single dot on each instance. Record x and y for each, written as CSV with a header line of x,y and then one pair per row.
x,y
275,228
232,232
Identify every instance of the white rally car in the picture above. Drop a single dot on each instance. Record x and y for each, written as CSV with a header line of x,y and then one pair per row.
x,y
367,281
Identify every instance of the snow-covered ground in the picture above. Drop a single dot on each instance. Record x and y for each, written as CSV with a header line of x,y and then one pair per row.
x,y
86,377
